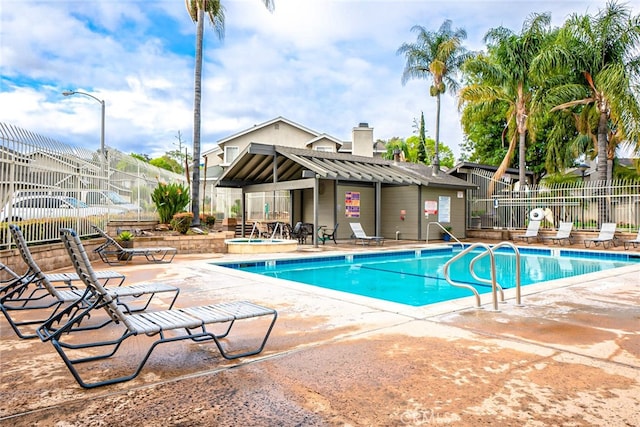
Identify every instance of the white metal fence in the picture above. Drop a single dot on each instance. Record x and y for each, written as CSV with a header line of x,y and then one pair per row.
x,y
43,178
586,204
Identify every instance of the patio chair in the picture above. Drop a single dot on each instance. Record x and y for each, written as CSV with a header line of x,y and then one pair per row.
x,y
360,235
33,294
299,232
112,253
634,242
532,232
161,326
328,234
563,233
606,235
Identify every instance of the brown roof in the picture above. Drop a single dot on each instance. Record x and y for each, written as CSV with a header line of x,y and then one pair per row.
x,y
255,166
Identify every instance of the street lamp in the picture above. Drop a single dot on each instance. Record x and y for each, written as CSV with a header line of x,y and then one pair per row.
x,y
101,101
583,168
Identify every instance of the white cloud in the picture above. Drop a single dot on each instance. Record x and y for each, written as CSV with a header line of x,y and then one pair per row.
x,y
327,65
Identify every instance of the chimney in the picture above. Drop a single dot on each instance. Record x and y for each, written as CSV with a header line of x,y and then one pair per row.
x,y
362,144
396,155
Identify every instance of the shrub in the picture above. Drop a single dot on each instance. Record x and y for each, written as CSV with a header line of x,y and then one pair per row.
x,y
182,221
208,220
169,200
125,236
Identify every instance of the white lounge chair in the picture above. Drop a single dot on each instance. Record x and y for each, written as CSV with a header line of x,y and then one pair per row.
x,y
634,242
34,295
113,253
563,233
161,326
360,235
532,231
606,235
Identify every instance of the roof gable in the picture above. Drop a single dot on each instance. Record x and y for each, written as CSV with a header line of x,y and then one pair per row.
x,y
277,121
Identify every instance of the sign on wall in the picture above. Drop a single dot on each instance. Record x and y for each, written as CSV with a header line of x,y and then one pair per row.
x,y
430,207
352,204
444,214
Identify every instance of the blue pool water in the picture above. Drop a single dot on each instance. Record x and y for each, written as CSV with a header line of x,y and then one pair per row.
x,y
416,277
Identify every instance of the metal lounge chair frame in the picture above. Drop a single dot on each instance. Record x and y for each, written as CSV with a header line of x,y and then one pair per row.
x,y
532,232
606,235
563,234
360,235
164,326
112,253
34,292
634,242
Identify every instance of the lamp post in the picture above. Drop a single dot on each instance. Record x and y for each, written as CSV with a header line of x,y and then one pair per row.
x,y
583,168
101,101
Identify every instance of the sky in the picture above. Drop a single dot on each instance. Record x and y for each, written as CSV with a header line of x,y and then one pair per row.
x,y
327,65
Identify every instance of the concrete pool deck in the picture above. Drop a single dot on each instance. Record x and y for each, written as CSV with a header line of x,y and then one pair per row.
x,y
569,356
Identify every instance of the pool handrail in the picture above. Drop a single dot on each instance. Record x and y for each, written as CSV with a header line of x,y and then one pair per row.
x,y
443,229
518,275
469,287
275,230
482,280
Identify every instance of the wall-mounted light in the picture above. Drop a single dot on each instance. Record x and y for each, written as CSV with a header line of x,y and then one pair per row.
x,y
403,213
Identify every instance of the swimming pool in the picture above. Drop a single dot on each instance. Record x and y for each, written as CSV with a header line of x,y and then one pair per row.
x,y
415,277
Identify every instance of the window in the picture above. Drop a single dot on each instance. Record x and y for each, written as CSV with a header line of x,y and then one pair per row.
x,y
230,154
324,149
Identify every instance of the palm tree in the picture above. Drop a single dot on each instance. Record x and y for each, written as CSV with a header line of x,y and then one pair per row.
x,y
215,12
603,50
437,56
503,78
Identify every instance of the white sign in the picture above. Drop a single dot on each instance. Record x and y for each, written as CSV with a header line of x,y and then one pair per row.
x,y
444,213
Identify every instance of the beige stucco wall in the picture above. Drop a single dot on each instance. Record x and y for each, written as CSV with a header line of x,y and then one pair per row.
x,y
324,145
278,133
362,141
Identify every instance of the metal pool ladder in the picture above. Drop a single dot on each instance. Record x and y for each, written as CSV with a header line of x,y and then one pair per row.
x,y
495,287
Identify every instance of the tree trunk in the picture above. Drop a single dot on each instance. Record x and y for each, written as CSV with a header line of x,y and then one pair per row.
x,y
603,209
522,164
436,157
602,147
195,182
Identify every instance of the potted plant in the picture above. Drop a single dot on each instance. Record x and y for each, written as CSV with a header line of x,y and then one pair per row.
x,y
125,239
445,235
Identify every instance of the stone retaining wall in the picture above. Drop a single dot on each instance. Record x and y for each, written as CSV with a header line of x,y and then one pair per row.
x,y
49,257
53,256
502,235
191,244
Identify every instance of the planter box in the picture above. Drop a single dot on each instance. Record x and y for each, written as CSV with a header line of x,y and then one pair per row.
x,y
229,224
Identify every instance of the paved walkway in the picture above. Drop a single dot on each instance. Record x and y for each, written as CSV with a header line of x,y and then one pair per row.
x,y
569,356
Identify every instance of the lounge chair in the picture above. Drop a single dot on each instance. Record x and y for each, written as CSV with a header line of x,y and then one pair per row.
x,y
8,276
325,234
34,295
606,235
113,253
532,232
634,242
563,233
361,236
162,326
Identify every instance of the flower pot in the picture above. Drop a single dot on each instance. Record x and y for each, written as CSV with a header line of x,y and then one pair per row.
x,y
125,244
